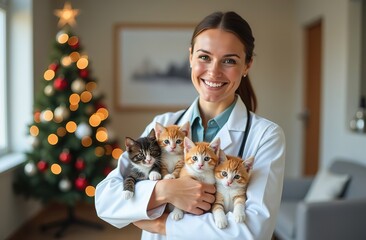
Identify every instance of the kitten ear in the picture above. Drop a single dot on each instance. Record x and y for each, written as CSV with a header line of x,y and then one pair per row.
x,y
248,163
222,156
129,142
215,145
152,134
185,128
158,128
188,144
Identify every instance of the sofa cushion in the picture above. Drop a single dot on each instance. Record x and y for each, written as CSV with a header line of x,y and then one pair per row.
x,y
356,186
326,186
286,219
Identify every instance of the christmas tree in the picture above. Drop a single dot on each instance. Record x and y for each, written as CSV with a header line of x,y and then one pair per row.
x,y
72,148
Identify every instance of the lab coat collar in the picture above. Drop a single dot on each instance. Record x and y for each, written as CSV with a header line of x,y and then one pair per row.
x,y
233,129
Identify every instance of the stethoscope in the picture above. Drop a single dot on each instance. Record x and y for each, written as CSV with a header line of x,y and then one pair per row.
x,y
246,133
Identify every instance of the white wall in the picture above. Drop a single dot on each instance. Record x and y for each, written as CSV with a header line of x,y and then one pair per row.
x,y
339,93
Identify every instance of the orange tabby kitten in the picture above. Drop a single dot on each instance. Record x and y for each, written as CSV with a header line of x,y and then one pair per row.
x,y
232,177
170,140
200,160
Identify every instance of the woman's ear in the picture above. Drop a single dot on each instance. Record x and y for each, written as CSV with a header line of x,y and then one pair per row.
x,y
247,67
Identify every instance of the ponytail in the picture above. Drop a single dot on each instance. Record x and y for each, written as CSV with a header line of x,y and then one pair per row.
x,y
247,94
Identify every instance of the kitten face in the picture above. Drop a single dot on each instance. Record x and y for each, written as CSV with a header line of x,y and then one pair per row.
x,y
170,138
144,151
233,172
201,156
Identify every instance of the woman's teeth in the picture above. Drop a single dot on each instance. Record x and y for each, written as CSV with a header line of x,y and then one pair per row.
x,y
213,84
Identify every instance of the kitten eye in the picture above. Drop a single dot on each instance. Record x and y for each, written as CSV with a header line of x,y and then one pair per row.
x,y
224,174
194,158
166,141
237,176
178,141
207,159
140,155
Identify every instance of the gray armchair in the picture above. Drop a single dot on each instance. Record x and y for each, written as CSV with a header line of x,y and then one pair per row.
x,y
343,218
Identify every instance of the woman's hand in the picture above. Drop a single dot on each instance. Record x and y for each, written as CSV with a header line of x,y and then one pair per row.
x,y
153,226
185,193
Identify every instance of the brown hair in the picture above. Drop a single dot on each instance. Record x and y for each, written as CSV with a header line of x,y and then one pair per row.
x,y
234,23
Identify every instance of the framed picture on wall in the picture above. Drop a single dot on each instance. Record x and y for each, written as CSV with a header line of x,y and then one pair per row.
x,y
151,67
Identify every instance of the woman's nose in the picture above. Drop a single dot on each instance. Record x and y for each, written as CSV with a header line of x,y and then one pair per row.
x,y
214,69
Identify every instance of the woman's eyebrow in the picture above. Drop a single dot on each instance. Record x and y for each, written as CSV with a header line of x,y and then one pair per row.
x,y
226,55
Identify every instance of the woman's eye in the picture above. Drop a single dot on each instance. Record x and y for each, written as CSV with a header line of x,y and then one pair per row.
x,y
204,57
229,61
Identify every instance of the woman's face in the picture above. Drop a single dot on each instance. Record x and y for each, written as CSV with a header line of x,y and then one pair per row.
x,y
218,63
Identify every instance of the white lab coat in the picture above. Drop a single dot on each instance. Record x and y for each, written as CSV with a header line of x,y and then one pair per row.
x,y
266,142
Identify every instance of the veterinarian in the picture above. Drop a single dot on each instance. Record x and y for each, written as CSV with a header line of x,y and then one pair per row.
x,y
221,55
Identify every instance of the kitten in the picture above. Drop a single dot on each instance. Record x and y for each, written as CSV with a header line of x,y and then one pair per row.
x,y
232,177
200,160
170,139
144,155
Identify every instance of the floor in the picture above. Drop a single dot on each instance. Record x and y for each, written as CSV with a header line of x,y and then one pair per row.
x,y
36,228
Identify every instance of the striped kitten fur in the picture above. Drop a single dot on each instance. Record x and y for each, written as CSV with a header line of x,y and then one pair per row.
x,y
200,160
171,139
144,155
232,178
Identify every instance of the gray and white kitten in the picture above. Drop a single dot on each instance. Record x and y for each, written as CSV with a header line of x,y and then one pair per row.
x,y
145,160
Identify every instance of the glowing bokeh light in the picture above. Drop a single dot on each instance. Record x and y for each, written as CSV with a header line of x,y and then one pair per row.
x,y
82,63
56,169
90,191
73,41
47,115
37,117
74,99
116,153
62,38
74,56
52,139
102,134
74,107
66,61
86,141
49,74
86,96
34,131
94,120
90,86
103,113
71,126
61,131
99,151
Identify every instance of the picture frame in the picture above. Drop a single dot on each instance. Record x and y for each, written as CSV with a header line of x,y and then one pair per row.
x,y
151,67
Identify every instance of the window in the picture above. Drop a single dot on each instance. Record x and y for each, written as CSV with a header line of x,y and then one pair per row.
x,y
3,115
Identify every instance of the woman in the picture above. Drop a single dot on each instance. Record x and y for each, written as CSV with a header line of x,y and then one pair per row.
x,y
221,55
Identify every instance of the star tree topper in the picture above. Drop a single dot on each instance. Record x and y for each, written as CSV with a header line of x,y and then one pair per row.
x,y
67,15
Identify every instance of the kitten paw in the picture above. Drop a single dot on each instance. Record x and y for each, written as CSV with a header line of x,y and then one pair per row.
x,y
154,176
239,217
127,195
169,176
220,219
177,214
